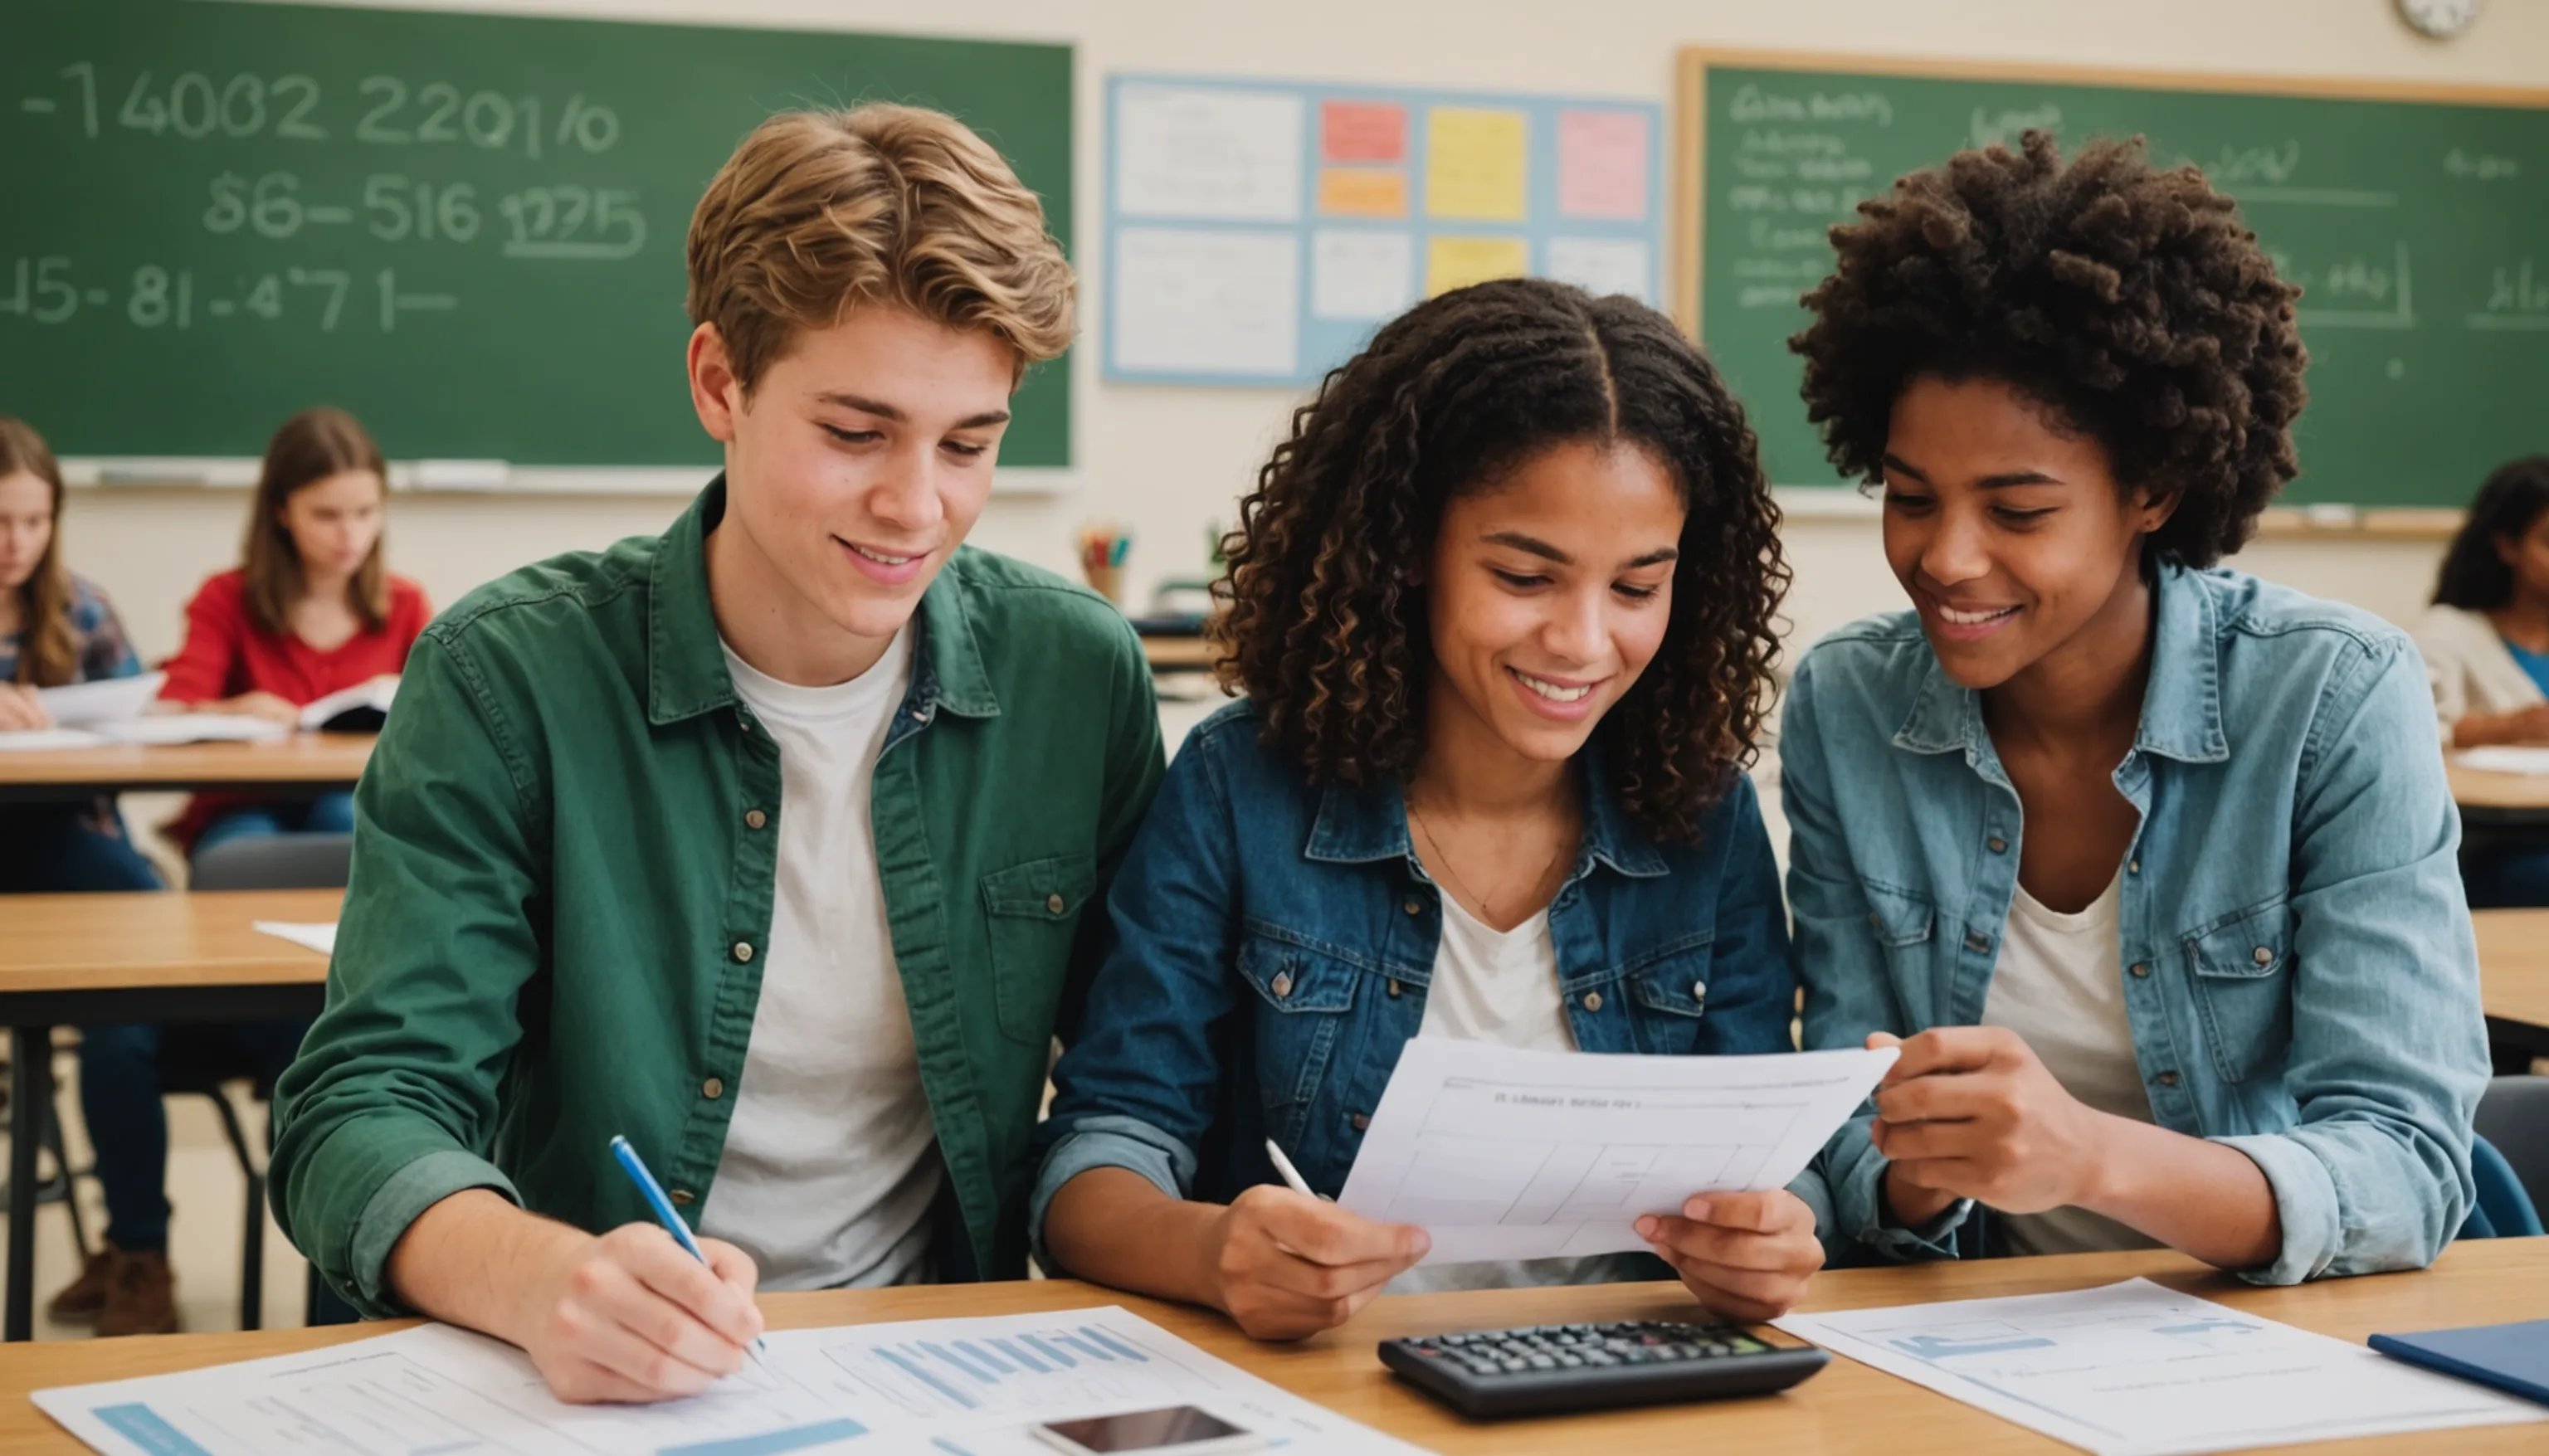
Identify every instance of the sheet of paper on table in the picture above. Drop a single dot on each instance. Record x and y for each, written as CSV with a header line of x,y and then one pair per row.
x,y
37,740
2506,758
321,937
968,1387
105,700
1502,1153
2138,1369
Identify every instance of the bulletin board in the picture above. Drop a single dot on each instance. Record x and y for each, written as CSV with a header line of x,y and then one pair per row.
x,y
1259,231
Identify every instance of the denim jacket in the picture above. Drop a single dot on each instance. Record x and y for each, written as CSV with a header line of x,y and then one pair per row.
x,y
1275,942
2301,980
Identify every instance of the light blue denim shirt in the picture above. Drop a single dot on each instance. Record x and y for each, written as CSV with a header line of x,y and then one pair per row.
x,y
2301,980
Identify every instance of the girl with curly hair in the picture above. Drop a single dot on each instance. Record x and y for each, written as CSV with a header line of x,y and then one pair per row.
x,y
2148,866
1502,610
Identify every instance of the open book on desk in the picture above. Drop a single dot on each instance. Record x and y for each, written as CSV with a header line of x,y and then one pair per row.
x,y
92,714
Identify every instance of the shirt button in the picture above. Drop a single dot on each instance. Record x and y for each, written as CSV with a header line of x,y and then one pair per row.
x,y
1699,990
754,818
1393,988
1281,984
1873,922
2141,969
1413,906
1360,1122
2168,1079
1592,1000
920,715
712,1089
743,950
1053,904
2132,866
2262,955
1997,843
682,1195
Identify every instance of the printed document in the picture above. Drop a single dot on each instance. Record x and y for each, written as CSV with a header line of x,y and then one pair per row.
x,y
2138,1369
1502,1153
968,1387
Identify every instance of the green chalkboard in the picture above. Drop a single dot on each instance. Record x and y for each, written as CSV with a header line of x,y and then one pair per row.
x,y
2418,225
467,228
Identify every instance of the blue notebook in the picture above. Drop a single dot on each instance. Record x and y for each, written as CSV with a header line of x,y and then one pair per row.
x,y
2512,1358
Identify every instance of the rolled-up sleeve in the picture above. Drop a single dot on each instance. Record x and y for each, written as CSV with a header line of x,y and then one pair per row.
x,y
390,1106
2388,1045
1848,995
1138,1088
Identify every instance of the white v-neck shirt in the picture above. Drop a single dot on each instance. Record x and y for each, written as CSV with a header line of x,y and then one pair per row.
x,y
2059,983
831,1160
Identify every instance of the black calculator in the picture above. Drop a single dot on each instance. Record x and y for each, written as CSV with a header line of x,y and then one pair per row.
x,y
1551,1369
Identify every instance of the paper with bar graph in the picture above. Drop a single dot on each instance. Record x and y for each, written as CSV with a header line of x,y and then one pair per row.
x,y
945,1387
2138,1369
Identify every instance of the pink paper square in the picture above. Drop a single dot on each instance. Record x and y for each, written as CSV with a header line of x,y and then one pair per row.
x,y
1362,132
1602,164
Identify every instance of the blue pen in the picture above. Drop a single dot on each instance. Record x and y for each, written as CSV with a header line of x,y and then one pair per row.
x,y
662,1207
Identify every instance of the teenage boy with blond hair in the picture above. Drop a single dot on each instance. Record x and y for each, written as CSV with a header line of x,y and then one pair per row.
x,y
777,843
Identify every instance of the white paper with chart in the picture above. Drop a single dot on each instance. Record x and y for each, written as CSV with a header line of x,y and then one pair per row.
x,y
943,1387
1502,1153
2138,1369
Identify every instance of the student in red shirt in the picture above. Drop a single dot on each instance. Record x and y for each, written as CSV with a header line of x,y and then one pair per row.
x,y
312,611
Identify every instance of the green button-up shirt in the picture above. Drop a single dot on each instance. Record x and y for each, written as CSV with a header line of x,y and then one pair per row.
x,y
564,854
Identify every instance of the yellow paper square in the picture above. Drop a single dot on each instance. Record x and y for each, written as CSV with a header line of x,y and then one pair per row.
x,y
1458,263
1359,192
1476,163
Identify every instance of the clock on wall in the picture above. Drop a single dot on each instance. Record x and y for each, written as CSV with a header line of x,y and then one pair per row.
x,y
2440,18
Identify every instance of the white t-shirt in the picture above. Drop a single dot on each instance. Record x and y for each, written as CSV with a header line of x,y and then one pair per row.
x,y
831,1160
2059,983
1500,986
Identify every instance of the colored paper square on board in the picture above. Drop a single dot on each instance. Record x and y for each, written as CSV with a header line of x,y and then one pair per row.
x,y
1602,164
1458,263
1361,131
1477,163
1363,191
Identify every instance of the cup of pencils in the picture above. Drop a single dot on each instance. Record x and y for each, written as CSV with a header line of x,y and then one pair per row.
x,y
1102,549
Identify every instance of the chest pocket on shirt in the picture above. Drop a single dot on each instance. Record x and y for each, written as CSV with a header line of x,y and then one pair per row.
x,y
1032,912
1301,1001
2243,986
1671,987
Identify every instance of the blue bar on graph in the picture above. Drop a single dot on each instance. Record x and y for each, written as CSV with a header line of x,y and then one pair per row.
x,y
917,1371
1049,1352
1112,1343
1931,1347
1014,1353
144,1427
979,1376
983,1357
773,1442
1093,1352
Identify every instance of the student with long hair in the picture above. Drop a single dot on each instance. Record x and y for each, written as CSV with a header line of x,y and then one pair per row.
x,y
56,629
2147,866
1502,612
310,609
2486,642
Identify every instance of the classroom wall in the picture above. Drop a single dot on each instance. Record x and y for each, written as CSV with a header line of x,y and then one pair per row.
x,y
1166,461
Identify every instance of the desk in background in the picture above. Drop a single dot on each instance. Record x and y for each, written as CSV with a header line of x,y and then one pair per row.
x,y
300,765
2513,984
2491,800
103,959
1849,1410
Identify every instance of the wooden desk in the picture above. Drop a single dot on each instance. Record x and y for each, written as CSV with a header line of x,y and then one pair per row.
x,y
97,960
304,763
2499,800
1178,654
2514,983
1849,1410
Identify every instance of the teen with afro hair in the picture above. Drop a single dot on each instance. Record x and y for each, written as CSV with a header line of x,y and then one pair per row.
x,y
2148,867
1503,611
